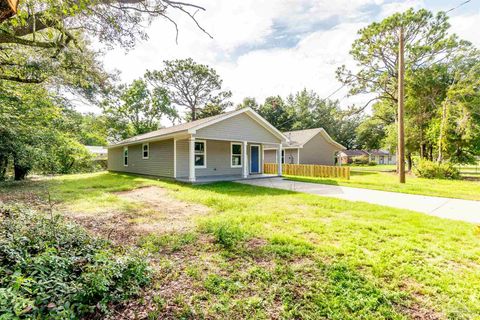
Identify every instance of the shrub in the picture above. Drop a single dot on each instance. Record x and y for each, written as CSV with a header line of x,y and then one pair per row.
x,y
226,234
53,269
360,160
433,170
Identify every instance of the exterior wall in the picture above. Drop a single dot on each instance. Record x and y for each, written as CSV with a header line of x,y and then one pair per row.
x,y
377,159
238,128
270,156
159,162
318,151
218,159
291,156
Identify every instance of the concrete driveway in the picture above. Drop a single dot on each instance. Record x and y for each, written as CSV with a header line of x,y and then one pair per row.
x,y
456,209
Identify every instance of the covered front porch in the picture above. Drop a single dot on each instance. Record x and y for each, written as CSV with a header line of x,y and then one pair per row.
x,y
202,160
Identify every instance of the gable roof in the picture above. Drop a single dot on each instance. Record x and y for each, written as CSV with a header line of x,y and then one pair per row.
x,y
191,127
378,152
298,138
355,153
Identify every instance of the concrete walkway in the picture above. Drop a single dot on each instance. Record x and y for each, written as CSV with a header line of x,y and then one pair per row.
x,y
456,209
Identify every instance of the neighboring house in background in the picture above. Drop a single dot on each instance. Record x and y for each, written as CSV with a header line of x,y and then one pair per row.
x,y
228,146
99,152
382,157
377,156
311,146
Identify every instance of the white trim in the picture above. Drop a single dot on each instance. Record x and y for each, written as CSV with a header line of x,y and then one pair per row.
x,y
174,157
178,135
231,154
245,159
248,111
298,156
148,150
259,163
123,156
235,140
191,159
204,154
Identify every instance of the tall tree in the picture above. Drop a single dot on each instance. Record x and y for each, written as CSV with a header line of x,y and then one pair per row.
x,y
189,84
135,109
47,39
427,42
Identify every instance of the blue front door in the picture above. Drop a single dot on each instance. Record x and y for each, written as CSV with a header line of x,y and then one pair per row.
x,y
254,159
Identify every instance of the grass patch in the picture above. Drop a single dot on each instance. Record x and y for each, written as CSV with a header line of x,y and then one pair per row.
x,y
262,253
461,189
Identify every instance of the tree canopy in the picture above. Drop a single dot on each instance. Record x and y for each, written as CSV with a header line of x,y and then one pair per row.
x,y
191,85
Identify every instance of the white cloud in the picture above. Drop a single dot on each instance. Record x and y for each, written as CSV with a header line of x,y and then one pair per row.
x,y
254,46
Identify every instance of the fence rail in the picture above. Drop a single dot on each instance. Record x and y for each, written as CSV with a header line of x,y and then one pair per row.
x,y
309,170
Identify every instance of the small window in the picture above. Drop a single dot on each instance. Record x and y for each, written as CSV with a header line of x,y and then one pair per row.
x,y
200,154
283,156
145,150
236,158
125,156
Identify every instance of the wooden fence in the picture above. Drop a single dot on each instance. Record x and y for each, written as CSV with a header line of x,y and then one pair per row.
x,y
309,170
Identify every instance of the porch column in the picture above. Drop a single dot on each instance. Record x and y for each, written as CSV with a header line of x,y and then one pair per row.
x,y
279,159
191,159
245,159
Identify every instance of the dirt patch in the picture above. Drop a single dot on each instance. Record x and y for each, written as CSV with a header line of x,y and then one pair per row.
x,y
152,210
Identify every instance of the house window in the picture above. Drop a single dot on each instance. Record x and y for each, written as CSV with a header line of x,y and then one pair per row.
x,y
283,156
200,154
125,156
145,150
236,155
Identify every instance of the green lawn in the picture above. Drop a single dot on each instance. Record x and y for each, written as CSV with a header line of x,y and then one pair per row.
x,y
388,181
263,253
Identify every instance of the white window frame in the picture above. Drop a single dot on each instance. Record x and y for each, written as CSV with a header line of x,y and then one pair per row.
x,y
231,154
143,150
204,154
283,156
125,157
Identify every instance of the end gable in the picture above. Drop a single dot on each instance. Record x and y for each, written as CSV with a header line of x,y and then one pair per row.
x,y
239,127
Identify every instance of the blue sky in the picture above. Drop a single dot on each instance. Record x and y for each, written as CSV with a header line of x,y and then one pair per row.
x,y
276,47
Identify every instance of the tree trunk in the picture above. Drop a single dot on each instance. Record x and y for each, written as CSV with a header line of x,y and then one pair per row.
x,y
409,162
441,136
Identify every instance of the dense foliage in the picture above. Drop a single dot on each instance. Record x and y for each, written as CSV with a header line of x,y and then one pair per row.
x,y
40,132
434,170
52,269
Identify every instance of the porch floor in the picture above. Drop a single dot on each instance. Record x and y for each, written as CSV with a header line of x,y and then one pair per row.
x,y
211,179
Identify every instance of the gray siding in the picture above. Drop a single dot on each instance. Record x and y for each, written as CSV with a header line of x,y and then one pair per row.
x,y
291,156
159,162
218,159
270,156
318,151
238,128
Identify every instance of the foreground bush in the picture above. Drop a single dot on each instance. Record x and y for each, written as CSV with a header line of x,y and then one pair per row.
x,y
433,170
53,269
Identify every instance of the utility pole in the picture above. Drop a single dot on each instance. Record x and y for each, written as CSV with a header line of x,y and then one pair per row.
x,y
401,94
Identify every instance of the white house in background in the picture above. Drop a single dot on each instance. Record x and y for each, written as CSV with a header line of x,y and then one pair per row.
x,y
382,157
376,156
99,152
311,146
228,146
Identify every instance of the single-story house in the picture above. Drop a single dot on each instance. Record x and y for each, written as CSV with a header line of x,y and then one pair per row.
x,y
99,152
376,156
382,157
228,146
311,146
